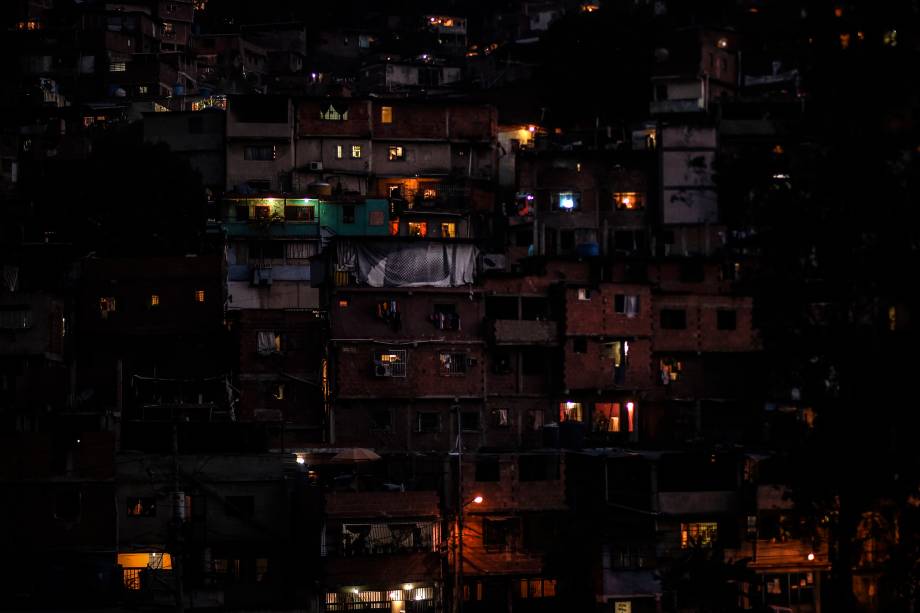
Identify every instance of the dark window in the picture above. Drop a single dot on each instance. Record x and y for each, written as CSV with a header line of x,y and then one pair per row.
x,y
541,532
567,240
692,271
469,421
533,362
195,125
242,212
67,505
500,533
142,507
726,319
501,307
427,422
673,319
348,213
523,238
260,186
488,469
538,468
381,419
501,363
580,344
241,506
501,418
445,317
534,308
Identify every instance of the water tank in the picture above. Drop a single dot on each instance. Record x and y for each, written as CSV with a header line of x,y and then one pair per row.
x,y
318,188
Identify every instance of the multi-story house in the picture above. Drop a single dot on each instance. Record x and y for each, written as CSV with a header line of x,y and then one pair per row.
x,y
382,550
260,144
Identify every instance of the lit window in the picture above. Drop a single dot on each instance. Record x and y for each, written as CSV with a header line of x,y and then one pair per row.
x,y
607,417
394,227
566,201
107,306
356,151
396,153
670,369
141,507
452,363
199,296
570,411
625,304
429,193
890,38
338,151
278,391
117,67
343,303
386,114
449,230
390,363
702,534
628,201
154,300
419,228
584,293
142,89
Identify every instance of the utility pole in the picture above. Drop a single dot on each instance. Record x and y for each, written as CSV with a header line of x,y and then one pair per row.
x,y
176,553
458,571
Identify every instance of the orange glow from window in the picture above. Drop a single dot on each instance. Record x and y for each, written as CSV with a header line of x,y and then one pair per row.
x,y
419,229
394,228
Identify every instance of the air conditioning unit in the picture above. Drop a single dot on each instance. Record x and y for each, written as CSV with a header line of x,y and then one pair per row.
x,y
493,261
262,277
316,165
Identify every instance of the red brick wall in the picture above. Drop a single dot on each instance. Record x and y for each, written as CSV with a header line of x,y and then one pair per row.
x,y
593,370
702,333
358,123
410,120
473,122
359,318
597,316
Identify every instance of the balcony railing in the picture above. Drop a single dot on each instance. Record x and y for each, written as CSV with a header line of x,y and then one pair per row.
x,y
523,331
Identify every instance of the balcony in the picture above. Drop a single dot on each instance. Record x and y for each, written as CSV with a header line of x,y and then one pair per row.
x,y
523,332
697,503
687,105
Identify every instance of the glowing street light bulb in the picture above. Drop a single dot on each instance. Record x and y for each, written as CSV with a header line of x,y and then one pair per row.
x,y
811,557
478,499
300,459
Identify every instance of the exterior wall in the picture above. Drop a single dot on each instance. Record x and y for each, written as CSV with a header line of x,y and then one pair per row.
x,y
701,332
202,146
355,372
217,477
281,295
597,316
687,173
593,369
510,495
298,367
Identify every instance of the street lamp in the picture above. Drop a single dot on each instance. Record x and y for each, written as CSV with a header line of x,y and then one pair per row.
x,y
458,587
